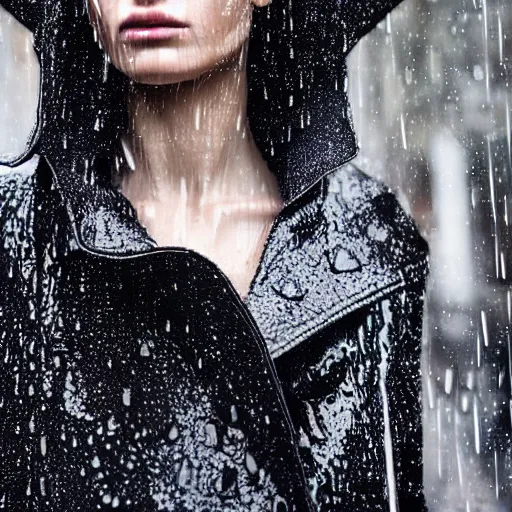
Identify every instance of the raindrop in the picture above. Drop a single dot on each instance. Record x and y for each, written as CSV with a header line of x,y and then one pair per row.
x,y
173,433
144,350
184,474
448,381
251,463
211,434
126,396
478,73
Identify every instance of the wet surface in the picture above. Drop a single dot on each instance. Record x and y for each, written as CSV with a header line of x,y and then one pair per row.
x,y
431,100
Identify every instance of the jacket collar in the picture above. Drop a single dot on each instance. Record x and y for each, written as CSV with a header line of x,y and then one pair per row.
x,y
334,250
334,254
309,151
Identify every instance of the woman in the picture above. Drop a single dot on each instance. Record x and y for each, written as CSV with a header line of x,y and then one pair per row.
x,y
204,305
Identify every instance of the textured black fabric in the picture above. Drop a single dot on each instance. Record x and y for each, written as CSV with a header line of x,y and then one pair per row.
x,y
134,377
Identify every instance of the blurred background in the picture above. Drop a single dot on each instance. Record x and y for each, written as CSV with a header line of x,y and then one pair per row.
x,y
431,99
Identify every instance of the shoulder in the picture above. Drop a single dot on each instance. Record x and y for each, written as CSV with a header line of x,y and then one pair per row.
x,y
353,186
357,203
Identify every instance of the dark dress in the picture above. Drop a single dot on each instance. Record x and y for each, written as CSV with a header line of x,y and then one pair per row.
x,y
135,378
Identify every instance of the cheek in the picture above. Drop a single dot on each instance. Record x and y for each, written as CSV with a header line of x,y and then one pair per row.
x,y
109,14
220,21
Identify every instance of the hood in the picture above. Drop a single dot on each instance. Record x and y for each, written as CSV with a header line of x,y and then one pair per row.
x,y
297,104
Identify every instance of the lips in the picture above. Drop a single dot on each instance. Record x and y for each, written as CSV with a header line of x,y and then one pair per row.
x,y
152,26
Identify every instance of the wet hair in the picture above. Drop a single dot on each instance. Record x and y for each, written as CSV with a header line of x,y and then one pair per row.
x,y
81,92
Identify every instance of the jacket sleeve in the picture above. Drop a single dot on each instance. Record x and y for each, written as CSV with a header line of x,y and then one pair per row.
x,y
404,387
403,374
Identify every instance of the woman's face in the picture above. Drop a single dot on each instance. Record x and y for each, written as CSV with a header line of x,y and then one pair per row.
x,y
169,41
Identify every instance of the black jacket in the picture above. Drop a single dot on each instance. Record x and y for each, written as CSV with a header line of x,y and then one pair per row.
x,y
134,377
134,374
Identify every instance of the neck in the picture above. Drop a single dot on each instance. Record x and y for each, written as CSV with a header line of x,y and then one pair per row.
x,y
194,137
199,181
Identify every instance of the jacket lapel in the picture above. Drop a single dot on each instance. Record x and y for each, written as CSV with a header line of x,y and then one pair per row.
x,y
102,220
327,255
326,259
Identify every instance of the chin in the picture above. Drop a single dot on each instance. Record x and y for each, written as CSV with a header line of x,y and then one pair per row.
x,y
162,68
155,77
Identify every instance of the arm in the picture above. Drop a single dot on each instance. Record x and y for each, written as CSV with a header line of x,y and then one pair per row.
x,y
403,377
